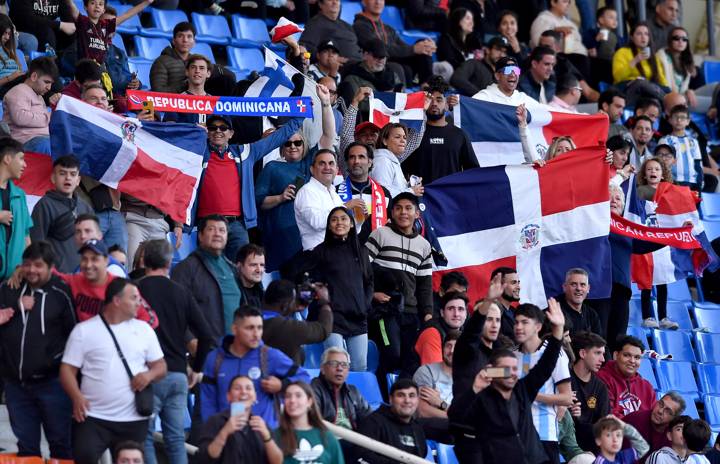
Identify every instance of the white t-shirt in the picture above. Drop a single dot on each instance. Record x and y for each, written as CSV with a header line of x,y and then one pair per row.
x,y
105,383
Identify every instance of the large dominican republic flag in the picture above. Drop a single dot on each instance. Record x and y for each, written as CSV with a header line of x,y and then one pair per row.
x,y
405,108
540,221
154,162
495,136
35,180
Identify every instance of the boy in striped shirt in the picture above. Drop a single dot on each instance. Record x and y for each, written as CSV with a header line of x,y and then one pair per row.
x,y
556,392
687,169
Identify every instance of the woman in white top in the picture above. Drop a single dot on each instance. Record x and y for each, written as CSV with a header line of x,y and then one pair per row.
x,y
678,63
386,163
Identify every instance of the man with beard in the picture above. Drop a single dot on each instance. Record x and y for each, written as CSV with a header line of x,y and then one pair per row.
x,y
504,91
510,294
445,149
642,132
435,382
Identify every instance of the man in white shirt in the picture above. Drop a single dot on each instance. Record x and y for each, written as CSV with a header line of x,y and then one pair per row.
x,y
104,410
504,91
316,198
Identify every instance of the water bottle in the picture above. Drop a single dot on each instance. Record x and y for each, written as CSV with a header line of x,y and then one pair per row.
x,y
49,51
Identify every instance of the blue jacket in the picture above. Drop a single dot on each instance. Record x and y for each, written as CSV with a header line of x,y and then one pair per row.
x,y
217,377
245,157
116,62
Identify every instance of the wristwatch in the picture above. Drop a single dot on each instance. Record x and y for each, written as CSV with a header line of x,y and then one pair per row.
x,y
443,406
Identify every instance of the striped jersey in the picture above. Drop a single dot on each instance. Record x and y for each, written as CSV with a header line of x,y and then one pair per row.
x,y
544,416
624,456
687,151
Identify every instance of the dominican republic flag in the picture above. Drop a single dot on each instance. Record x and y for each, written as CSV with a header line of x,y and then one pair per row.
x,y
405,108
541,221
672,206
495,136
35,180
154,162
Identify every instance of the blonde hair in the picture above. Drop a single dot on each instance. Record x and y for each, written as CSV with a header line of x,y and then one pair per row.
x,y
552,149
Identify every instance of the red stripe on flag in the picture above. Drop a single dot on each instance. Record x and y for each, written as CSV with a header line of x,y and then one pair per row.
x,y
36,177
166,188
674,199
415,100
478,277
586,130
641,270
577,178
379,118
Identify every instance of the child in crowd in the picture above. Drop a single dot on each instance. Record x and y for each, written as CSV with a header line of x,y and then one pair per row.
x,y
602,41
94,34
609,433
687,169
666,154
683,432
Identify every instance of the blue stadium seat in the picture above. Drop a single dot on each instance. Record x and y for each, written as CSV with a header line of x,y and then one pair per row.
x,y
679,291
675,343
708,347
313,353
635,290
710,205
647,372
708,318
691,407
391,378
188,245
141,67
676,375
150,48
312,372
635,318
246,59
712,409
709,376
349,10
412,35
367,383
712,229
706,305
431,447
250,32
164,21
119,42
711,69
211,29
392,16
637,332
204,49
678,312
21,59
446,454
373,356
132,25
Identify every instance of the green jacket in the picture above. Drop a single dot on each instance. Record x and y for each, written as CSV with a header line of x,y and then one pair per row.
x,y
11,249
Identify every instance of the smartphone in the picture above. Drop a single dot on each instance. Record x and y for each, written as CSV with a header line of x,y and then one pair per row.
x,y
298,182
237,408
149,106
498,372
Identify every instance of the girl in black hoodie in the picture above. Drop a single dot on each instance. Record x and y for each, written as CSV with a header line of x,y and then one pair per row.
x,y
341,263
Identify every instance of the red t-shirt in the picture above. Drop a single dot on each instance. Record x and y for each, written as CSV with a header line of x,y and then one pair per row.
x,y
93,40
220,192
429,346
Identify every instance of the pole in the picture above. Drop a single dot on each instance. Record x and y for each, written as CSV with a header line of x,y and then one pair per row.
x,y
711,27
619,8
375,446
642,14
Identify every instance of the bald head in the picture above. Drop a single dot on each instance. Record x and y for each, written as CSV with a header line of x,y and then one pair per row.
x,y
672,100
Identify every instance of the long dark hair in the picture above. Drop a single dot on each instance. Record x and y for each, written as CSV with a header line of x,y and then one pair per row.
x,y
454,29
635,51
682,62
288,440
352,240
9,48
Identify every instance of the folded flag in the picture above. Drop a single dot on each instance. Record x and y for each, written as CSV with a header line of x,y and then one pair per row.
x,y
540,221
35,180
284,28
154,162
405,108
495,136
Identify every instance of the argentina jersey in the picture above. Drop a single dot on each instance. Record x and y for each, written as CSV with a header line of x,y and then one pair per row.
x,y
687,151
545,416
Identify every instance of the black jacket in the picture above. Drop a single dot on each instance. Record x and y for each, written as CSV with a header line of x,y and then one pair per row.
x,y
289,335
489,413
382,425
32,353
252,296
241,447
367,31
586,320
471,77
355,405
194,274
451,50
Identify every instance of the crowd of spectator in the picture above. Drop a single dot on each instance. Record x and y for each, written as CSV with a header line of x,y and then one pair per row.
x,y
102,333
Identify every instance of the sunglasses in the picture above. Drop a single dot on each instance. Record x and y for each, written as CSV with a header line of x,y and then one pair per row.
x,y
679,37
290,143
507,70
218,128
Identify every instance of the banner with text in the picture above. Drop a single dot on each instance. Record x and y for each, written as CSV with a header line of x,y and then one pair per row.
x,y
229,106
677,237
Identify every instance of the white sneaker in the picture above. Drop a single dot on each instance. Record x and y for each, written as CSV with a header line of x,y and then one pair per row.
x,y
216,9
651,323
669,324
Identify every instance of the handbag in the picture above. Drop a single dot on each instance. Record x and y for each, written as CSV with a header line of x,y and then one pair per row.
x,y
144,399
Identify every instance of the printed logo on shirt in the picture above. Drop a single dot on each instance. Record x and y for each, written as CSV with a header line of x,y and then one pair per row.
x,y
254,373
437,140
592,402
308,454
407,440
629,402
88,305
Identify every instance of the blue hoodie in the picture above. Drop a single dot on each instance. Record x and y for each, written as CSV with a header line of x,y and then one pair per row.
x,y
213,391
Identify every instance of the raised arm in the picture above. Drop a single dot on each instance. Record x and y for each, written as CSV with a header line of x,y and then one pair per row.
x,y
327,139
132,12
74,12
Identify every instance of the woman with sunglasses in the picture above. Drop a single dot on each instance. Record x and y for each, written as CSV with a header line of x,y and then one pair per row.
x,y
678,64
278,184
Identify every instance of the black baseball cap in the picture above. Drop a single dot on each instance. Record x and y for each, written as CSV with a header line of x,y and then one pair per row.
x,y
669,148
97,246
505,61
376,48
218,117
327,45
405,196
498,42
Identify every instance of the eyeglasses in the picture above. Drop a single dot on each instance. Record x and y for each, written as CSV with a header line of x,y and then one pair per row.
x,y
664,154
579,89
335,364
507,70
290,143
679,37
218,128
332,92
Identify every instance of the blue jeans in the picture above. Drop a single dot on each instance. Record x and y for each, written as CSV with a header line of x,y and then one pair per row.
x,y
39,144
112,226
587,10
237,238
170,404
357,346
46,404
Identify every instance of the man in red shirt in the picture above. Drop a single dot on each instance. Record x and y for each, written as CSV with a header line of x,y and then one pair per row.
x,y
429,345
653,423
